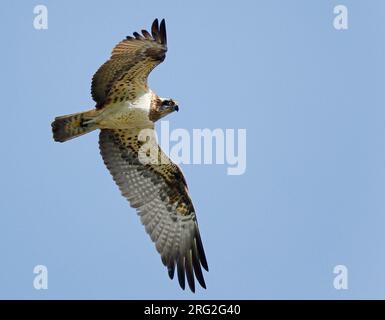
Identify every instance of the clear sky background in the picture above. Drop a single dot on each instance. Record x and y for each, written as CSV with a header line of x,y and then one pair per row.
x,y
311,98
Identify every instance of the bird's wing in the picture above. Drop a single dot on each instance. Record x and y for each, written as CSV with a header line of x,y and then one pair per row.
x,y
159,192
124,76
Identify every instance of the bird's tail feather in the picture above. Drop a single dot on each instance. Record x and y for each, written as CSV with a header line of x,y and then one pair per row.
x,y
73,125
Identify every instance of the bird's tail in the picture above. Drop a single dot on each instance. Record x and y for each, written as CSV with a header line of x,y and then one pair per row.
x,y
73,125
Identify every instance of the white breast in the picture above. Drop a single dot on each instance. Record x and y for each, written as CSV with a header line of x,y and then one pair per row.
x,y
128,114
143,102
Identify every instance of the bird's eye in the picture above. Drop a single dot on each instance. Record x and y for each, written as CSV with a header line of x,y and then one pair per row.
x,y
166,103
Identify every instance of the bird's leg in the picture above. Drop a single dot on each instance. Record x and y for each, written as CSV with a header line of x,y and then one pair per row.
x,y
85,122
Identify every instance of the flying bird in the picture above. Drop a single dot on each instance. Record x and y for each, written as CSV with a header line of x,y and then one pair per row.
x,y
124,107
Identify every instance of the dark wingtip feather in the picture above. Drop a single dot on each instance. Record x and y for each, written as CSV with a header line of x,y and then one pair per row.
x,y
171,271
146,34
137,36
181,272
155,29
163,33
190,272
201,251
197,267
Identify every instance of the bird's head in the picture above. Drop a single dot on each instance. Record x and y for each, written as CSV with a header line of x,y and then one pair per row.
x,y
167,106
163,107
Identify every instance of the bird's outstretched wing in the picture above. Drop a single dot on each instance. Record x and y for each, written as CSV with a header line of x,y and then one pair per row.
x,y
159,192
124,76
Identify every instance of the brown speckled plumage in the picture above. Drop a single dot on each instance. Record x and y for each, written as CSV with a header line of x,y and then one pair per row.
x,y
124,75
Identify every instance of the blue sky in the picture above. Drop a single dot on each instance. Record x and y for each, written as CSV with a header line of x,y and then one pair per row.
x,y
310,97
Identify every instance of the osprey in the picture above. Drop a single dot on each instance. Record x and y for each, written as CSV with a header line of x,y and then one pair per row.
x,y
125,106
